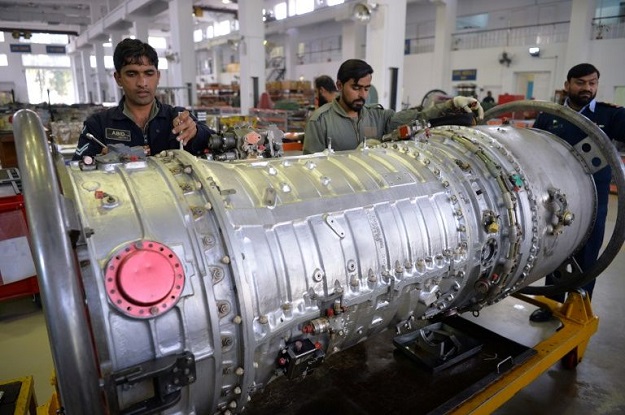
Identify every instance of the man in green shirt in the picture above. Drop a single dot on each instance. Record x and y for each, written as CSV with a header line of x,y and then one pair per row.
x,y
347,122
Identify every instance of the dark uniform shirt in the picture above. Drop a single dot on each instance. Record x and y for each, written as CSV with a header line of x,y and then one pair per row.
x,y
112,126
610,118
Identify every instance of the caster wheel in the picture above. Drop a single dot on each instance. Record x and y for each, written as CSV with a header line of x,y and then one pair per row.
x,y
570,360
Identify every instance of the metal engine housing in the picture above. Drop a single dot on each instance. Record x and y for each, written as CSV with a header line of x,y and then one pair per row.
x,y
203,280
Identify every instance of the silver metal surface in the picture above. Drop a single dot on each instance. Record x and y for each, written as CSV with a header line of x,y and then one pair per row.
x,y
328,247
597,151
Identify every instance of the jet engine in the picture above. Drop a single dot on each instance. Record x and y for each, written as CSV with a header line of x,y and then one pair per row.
x,y
178,285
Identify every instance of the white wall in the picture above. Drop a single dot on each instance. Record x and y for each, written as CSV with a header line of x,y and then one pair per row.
x,y
491,75
608,56
15,72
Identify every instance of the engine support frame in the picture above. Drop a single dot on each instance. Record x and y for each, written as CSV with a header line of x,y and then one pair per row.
x,y
567,345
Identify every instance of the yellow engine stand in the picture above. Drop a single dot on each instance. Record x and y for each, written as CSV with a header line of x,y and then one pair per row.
x,y
567,344
53,406
26,402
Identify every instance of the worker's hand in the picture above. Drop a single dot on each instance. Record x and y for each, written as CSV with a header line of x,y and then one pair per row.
x,y
184,127
468,104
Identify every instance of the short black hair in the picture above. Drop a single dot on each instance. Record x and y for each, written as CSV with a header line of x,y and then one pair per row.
x,y
325,82
353,69
132,51
582,69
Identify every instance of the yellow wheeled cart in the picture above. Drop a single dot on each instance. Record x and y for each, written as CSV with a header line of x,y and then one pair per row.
x,y
567,344
17,396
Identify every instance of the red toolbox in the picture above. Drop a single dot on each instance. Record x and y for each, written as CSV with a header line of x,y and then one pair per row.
x,y
17,270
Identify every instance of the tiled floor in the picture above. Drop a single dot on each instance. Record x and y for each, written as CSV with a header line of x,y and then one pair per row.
x,y
595,387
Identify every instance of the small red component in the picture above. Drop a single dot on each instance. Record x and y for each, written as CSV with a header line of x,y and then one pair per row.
x,y
318,346
308,328
99,194
330,312
282,361
403,131
252,137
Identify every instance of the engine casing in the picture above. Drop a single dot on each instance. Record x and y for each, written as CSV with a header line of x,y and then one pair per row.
x,y
230,265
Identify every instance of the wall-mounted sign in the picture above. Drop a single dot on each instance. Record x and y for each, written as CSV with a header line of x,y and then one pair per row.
x,y
55,49
16,47
464,75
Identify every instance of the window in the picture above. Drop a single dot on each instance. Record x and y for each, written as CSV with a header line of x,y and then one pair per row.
x,y
609,8
301,6
46,39
48,61
334,2
320,50
3,59
197,35
1,36
222,28
157,42
108,62
279,11
476,21
210,32
55,84
49,77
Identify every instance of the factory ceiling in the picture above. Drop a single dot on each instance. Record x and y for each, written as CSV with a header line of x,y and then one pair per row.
x,y
74,16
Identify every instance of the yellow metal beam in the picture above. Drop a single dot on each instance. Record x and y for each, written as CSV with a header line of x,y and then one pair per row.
x,y
578,325
26,402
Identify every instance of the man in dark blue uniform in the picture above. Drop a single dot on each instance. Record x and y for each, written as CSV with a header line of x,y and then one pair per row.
x,y
581,86
140,119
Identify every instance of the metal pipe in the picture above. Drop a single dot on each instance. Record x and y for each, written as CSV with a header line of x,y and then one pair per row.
x,y
62,297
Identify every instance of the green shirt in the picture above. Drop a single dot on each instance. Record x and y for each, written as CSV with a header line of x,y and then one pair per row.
x,y
330,126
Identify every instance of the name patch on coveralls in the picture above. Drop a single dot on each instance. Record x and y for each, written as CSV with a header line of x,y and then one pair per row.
x,y
118,135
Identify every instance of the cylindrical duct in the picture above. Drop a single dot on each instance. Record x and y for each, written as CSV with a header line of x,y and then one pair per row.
x,y
203,279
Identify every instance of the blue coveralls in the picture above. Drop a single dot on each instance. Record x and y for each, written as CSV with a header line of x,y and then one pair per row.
x,y
611,119
112,126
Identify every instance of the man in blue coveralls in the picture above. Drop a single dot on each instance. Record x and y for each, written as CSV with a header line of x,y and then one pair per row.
x,y
581,86
140,120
